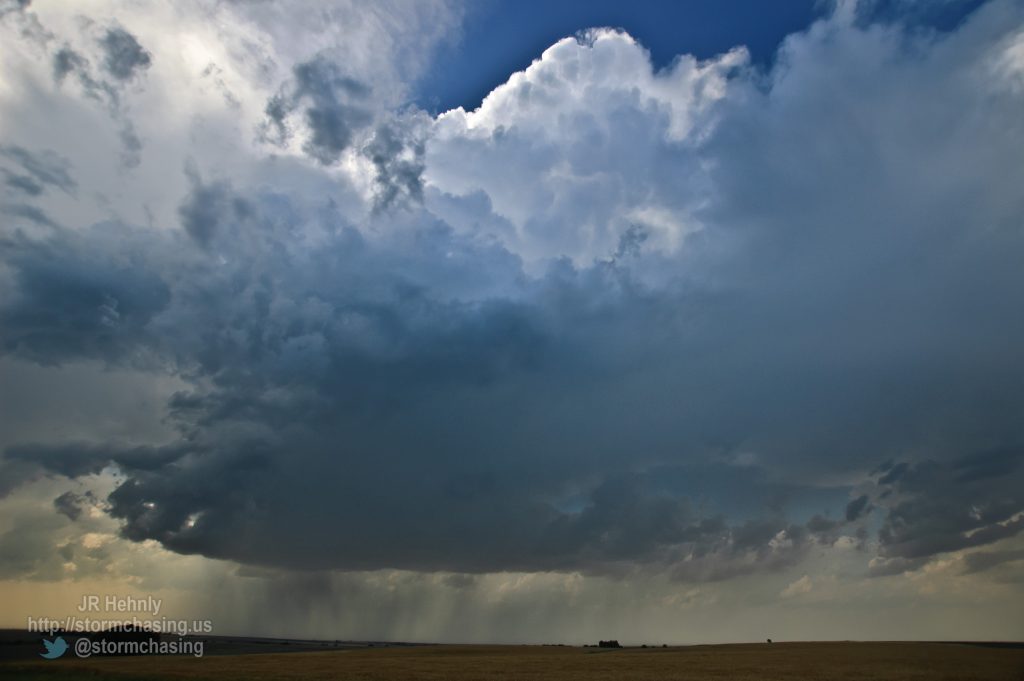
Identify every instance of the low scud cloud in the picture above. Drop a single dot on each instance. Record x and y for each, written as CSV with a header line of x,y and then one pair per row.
x,y
702,322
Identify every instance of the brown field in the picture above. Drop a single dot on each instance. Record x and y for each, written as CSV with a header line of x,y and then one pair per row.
x,y
760,662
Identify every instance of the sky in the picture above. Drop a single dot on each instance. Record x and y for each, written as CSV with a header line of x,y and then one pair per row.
x,y
516,322
497,39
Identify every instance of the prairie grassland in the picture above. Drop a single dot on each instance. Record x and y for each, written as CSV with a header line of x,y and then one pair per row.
x,y
745,662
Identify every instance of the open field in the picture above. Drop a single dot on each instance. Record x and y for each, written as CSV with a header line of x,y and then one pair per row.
x,y
760,662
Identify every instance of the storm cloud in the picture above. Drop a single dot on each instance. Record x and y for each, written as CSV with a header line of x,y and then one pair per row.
x,y
41,169
615,320
333,109
123,56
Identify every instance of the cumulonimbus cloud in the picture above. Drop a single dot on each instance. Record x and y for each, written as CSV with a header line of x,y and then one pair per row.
x,y
539,335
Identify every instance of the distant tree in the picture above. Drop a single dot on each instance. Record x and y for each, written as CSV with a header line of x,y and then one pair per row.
x,y
769,640
608,644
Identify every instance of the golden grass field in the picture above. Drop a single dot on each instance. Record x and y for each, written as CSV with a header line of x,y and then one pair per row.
x,y
760,662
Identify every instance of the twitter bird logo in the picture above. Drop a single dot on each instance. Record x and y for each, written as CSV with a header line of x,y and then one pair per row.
x,y
54,648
